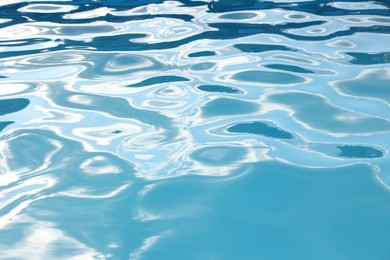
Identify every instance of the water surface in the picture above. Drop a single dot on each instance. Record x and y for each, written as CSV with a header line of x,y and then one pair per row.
x,y
194,129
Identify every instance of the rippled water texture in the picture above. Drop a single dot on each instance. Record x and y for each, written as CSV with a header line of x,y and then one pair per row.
x,y
193,129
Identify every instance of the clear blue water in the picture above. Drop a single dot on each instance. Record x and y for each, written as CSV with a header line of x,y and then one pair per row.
x,y
194,129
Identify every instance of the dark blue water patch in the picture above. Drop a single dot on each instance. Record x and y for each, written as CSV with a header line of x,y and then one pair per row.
x,y
4,124
158,80
260,128
228,106
121,42
2,77
291,68
347,151
369,58
202,54
256,48
217,88
117,132
20,17
356,151
8,106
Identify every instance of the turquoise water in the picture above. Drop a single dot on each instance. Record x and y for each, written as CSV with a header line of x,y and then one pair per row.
x,y
194,129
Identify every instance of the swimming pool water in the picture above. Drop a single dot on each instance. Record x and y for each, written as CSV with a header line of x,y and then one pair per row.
x,y
193,129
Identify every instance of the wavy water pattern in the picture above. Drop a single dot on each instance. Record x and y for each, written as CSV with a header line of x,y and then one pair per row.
x,y
189,129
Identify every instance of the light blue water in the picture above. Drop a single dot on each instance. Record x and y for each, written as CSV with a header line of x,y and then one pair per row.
x,y
194,129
